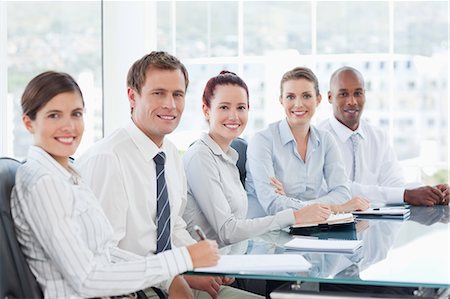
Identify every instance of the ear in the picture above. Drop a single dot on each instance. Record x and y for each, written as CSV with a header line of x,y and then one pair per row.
x,y
318,100
131,97
28,123
205,110
329,97
280,98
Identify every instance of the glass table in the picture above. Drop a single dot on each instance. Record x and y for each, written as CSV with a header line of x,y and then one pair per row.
x,y
395,253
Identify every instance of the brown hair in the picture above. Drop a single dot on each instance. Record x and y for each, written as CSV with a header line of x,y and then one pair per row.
x,y
223,78
45,86
300,73
157,59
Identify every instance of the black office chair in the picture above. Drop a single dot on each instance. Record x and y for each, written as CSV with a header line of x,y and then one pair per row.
x,y
16,279
240,145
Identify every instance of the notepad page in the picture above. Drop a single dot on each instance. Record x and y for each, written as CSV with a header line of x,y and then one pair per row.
x,y
323,245
258,263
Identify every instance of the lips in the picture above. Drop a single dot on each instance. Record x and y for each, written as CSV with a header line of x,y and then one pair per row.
x,y
167,117
232,126
351,111
65,140
299,113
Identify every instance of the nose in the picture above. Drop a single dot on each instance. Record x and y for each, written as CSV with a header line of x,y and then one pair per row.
x,y
169,102
352,100
69,124
232,115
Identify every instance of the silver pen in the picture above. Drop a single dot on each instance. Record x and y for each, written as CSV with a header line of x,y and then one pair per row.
x,y
199,232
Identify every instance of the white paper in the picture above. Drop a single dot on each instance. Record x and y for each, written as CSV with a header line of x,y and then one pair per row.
x,y
258,263
304,244
384,211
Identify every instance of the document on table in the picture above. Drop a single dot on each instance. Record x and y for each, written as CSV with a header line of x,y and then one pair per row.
x,y
316,245
258,263
387,212
332,219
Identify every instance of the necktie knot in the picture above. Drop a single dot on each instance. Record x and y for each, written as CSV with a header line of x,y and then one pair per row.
x,y
160,158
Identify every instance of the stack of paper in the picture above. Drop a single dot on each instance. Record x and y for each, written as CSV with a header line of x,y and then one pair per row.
x,y
315,245
258,263
386,213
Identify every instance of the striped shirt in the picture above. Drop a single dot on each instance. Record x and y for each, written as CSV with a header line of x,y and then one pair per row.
x,y
67,238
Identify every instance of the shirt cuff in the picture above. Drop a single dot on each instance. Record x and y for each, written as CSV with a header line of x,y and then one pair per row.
x,y
285,218
395,195
174,262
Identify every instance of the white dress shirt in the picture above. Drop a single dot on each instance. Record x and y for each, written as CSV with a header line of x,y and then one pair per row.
x,y
273,153
380,178
67,239
217,201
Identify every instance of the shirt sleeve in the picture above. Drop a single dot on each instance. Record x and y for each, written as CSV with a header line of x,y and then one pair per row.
x,y
334,174
206,185
260,165
103,175
49,210
389,187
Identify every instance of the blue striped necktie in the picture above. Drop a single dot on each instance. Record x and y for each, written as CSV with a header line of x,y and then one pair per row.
x,y
162,206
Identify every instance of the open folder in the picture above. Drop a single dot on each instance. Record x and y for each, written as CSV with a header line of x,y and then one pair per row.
x,y
336,221
315,245
258,263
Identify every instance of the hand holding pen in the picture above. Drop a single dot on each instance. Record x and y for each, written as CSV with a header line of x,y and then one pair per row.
x,y
205,253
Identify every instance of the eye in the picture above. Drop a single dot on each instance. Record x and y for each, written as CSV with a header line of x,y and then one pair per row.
x,y
242,107
223,107
179,95
359,94
157,93
343,94
307,96
290,97
53,115
77,114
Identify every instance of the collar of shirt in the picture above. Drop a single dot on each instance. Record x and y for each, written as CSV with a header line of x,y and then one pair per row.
x,y
343,132
231,156
287,136
47,161
144,144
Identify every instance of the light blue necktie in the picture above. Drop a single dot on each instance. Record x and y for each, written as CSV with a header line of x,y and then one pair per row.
x,y
355,144
162,206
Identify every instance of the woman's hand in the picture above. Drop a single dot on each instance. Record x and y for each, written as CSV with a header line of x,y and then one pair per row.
x,y
355,204
312,213
278,186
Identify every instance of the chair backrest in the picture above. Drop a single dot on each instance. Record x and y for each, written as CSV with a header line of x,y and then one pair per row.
x,y
240,145
16,279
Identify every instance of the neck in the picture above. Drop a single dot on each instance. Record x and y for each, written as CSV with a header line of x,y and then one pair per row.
x,y
300,132
223,143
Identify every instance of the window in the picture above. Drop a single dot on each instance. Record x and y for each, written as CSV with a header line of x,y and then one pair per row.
x,y
61,36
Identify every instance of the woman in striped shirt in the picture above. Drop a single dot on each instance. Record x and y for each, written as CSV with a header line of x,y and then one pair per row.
x,y
60,225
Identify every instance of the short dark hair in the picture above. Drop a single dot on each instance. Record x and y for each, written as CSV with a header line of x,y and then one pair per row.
x,y
223,78
156,59
44,87
300,73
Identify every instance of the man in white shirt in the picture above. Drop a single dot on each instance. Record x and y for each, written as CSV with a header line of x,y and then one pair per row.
x,y
369,159
121,169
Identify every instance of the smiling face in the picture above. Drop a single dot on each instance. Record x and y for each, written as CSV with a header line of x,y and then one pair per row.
x,y
299,100
157,109
58,126
227,114
347,95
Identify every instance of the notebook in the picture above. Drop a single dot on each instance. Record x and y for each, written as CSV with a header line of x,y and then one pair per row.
x,y
258,263
384,213
333,219
315,245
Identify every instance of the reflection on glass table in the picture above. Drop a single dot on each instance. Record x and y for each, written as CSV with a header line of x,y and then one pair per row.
x,y
411,253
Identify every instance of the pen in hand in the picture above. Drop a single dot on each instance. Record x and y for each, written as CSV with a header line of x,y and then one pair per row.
x,y
199,232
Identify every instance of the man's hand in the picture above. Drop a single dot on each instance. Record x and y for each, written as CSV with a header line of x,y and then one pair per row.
x,y
444,188
424,196
179,289
204,253
208,284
